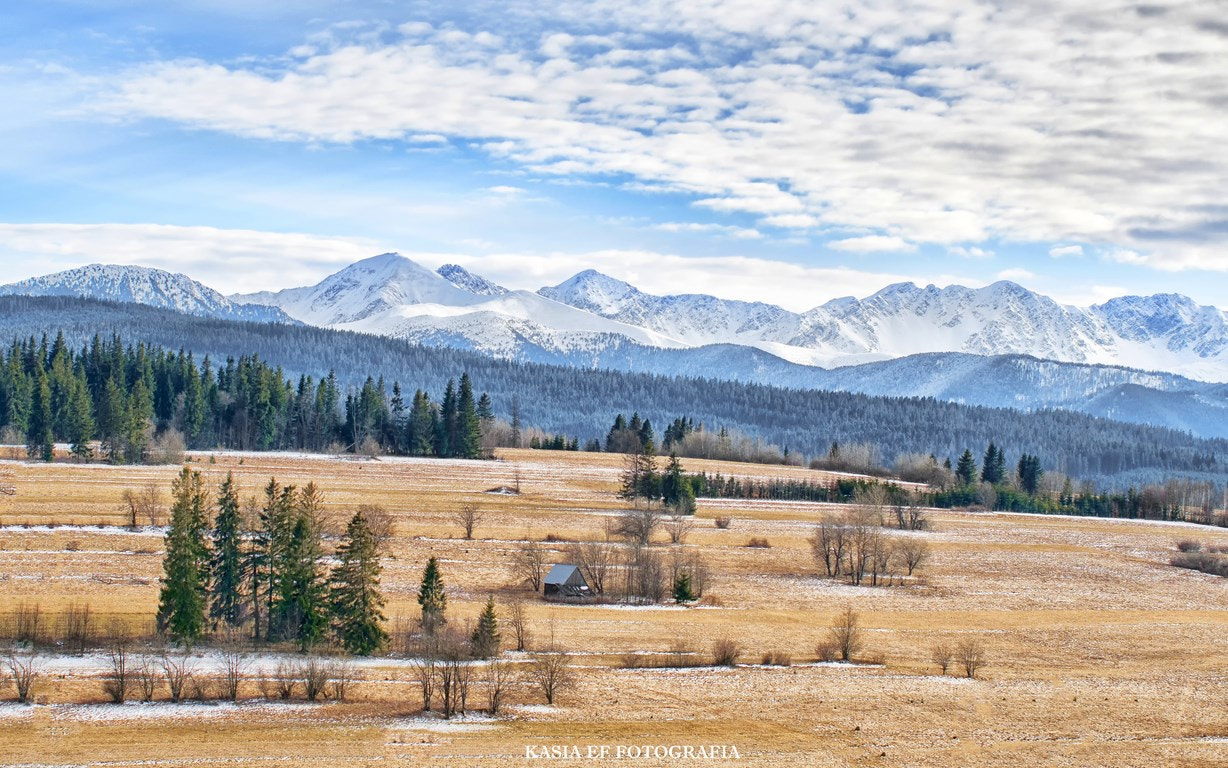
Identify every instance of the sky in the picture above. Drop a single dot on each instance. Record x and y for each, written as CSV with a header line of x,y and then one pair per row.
x,y
771,150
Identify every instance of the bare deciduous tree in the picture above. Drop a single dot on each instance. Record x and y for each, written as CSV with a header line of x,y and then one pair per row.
x,y
518,620
498,674
178,671
846,635
913,552
829,544
941,655
234,665
678,526
638,524
24,671
468,516
970,655
342,674
77,621
315,674
286,679
550,670
28,620
119,678
379,522
529,564
595,559
147,678
144,504
423,666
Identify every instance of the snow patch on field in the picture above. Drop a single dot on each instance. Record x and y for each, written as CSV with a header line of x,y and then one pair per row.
x,y
467,723
106,530
161,710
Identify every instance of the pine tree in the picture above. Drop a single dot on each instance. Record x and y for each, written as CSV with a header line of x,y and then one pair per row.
x,y
181,604
226,590
432,598
672,481
354,599
468,426
39,444
965,470
80,419
421,426
682,588
1029,473
993,471
301,604
485,639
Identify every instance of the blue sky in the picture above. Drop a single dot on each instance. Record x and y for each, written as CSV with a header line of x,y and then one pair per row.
x,y
773,150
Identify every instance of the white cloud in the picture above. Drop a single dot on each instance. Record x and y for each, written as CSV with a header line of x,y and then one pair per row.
x,y
969,252
1063,251
957,124
228,260
872,244
1017,275
740,233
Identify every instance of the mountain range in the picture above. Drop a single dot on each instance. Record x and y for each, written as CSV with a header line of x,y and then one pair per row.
x,y
1140,359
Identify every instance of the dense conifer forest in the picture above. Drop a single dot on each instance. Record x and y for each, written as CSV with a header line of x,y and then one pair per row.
x,y
562,401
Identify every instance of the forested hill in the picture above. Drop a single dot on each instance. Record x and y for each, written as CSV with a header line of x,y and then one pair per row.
x,y
582,402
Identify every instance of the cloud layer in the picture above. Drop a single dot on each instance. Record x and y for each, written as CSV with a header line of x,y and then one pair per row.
x,y
887,126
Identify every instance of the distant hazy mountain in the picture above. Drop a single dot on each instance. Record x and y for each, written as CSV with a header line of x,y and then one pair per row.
x,y
144,285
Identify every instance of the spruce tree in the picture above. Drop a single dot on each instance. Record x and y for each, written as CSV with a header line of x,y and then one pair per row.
x,y
39,444
182,602
80,419
354,599
672,482
485,639
682,588
1029,473
226,591
965,470
993,471
468,425
432,598
301,603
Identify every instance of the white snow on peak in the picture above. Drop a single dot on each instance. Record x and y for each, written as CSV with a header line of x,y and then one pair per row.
x,y
142,285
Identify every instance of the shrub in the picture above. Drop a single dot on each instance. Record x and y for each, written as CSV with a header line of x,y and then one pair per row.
x,y
776,658
723,522
725,652
758,543
1187,545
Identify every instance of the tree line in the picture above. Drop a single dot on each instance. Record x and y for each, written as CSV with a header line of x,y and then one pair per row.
x,y
576,401
129,397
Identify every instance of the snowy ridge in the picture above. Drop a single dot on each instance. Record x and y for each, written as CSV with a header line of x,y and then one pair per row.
x,y
1162,332
144,285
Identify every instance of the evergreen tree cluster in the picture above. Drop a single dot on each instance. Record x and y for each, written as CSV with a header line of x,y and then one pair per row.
x,y
122,396
575,400
267,572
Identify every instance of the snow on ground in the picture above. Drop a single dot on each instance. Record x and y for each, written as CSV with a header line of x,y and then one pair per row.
x,y
460,724
182,711
106,530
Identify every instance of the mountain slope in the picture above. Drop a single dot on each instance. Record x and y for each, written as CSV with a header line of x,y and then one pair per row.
x,y
144,285
390,295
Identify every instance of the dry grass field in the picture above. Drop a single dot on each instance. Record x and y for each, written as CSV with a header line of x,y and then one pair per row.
x,y
1099,652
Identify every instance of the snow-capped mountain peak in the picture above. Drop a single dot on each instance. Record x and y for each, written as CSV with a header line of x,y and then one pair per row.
x,y
144,285
463,278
